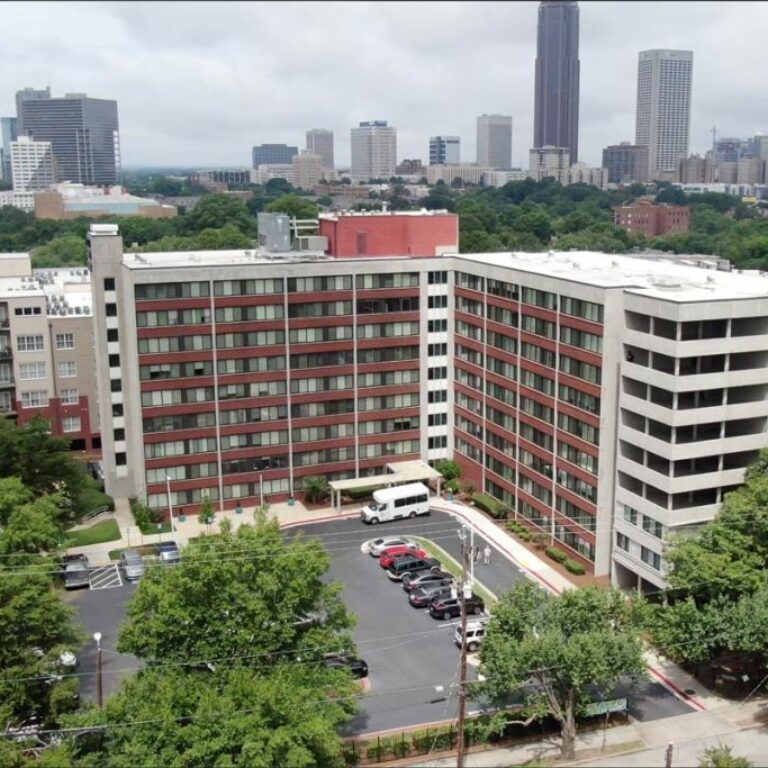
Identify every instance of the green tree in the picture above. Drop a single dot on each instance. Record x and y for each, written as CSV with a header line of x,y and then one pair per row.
x,y
316,488
237,596
293,205
449,469
13,494
34,528
167,187
215,212
560,653
32,617
67,250
288,717
722,757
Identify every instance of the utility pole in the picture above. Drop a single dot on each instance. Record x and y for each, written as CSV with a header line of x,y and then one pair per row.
x,y
99,694
465,586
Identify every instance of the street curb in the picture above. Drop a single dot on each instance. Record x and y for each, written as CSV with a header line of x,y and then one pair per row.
x,y
323,519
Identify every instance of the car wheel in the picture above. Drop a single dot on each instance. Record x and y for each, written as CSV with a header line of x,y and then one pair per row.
x,y
404,575
447,615
472,647
374,520
412,515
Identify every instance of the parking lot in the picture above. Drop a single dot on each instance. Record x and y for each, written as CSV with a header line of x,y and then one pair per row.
x,y
412,658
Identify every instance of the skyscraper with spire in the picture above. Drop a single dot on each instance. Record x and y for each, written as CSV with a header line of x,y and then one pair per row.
x,y
556,105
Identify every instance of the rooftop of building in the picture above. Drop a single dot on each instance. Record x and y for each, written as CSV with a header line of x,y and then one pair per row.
x,y
67,290
336,215
175,259
665,277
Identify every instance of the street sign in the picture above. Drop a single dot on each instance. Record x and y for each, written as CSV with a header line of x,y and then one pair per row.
x,y
604,707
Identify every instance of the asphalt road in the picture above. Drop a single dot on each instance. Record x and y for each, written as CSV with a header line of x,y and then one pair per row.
x,y
412,658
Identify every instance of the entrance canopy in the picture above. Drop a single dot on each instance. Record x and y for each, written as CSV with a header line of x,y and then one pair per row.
x,y
399,472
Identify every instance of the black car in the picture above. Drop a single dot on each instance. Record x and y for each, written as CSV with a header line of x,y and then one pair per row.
x,y
411,564
450,607
423,596
416,580
356,666
75,571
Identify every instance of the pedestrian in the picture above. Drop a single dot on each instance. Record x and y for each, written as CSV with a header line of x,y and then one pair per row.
x,y
487,555
477,553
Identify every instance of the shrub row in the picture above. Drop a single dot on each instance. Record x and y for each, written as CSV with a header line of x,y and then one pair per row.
x,y
574,566
556,554
519,530
488,504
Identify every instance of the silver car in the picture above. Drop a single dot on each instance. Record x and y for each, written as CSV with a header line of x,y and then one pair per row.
x,y
132,564
377,546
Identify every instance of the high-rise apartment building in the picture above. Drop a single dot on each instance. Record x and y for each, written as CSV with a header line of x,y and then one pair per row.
x,y
8,133
28,94
320,142
374,150
33,167
556,100
307,170
611,401
444,150
273,154
494,141
626,163
547,162
83,132
664,107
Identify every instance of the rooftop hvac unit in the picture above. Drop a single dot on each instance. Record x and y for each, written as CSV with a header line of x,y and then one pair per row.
x,y
312,243
274,232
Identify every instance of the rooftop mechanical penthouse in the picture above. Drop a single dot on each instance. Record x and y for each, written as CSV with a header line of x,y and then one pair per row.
x,y
608,400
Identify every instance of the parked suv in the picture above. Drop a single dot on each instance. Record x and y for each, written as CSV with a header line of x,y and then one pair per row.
x,y
168,552
356,666
404,565
132,564
475,635
450,607
75,571
423,596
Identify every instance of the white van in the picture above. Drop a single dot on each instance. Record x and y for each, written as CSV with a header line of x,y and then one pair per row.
x,y
475,635
395,503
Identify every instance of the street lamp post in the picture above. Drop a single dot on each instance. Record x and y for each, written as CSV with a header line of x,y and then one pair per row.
x,y
99,695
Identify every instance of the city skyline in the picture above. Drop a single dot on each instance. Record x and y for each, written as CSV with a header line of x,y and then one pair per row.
x,y
210,106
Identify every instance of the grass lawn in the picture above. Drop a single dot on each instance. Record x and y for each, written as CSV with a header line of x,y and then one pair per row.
x,y
148,530
106,530
452,565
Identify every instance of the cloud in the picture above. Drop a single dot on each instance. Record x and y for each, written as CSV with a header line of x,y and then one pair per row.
x,y
200,83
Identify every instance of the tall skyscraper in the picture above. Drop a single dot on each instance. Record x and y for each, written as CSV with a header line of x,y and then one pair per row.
x,y
444,150
494,141
374,150
83,132
663,114
626,163
320,142
28,94
8,133
32,166
556,100
273,154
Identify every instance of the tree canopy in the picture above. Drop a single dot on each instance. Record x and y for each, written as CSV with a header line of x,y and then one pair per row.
x,y
560,653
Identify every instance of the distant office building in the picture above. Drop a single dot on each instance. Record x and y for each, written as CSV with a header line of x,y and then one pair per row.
x,y
664,107
32,165
500,178
548,161
267,171
444,150
72,201
320,142
273,154
556,101
83,132
651,220
581,173
220,179
731,150
696,170
410,167
307,170
28,94
8,133
494,141
374,150
467,173
626,163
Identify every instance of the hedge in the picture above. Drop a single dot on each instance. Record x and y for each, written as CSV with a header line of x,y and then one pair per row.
x,y
488,504
556,554
574,566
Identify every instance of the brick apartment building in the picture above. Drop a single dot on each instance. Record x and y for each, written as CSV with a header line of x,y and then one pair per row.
x,y
652,220
610,400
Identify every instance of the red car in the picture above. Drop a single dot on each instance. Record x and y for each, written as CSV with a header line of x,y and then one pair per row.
x,y
388,556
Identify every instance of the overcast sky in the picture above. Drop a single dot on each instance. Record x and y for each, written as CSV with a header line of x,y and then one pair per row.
x,y
198,84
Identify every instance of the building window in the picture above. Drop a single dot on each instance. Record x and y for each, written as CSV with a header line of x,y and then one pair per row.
x,y
30,343
112,334
27,311
440,372
440,441
109,283
437,302
438,419
65,341
630,515
70,424
649,557
622,541
654,527
436,326
438,278
69,397
67,369
111,309
438,396
30,371
35,399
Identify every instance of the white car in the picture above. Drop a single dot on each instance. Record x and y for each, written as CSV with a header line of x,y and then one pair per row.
x,y
377,546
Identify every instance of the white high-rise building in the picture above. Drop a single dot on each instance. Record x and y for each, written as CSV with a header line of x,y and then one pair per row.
x,y
494,141
307,170
374,150
32,165
664,107
444,150
320,142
